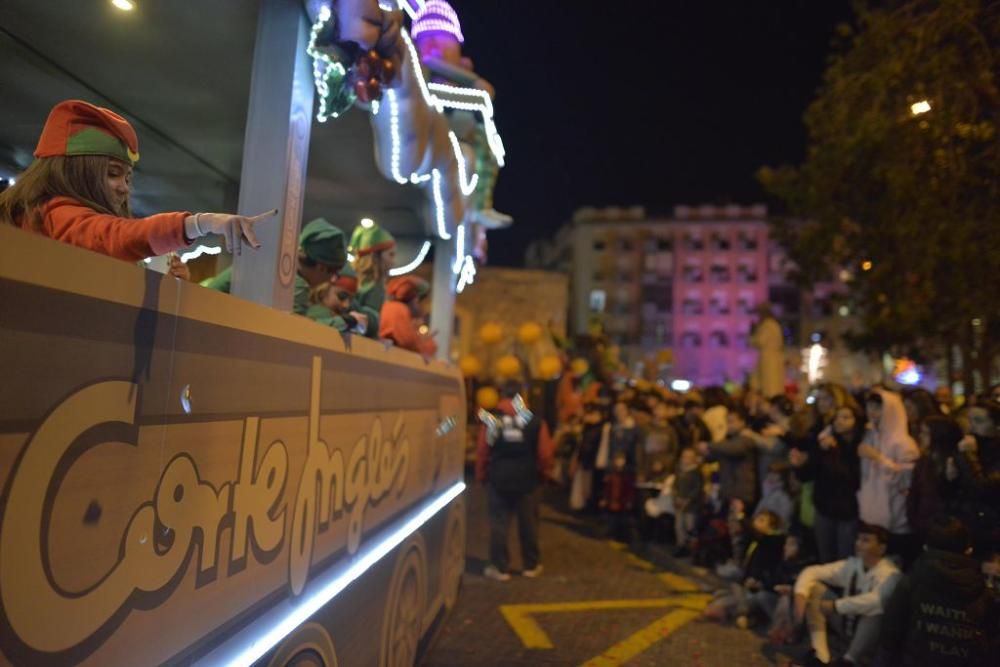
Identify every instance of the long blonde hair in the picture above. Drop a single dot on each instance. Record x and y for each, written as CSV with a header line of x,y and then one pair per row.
x,y
371,268
79,177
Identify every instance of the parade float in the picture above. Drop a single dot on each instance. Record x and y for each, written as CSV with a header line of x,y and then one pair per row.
x,y
193,478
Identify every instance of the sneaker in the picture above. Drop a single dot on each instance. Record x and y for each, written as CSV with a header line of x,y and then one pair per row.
x,y
533,572
491,572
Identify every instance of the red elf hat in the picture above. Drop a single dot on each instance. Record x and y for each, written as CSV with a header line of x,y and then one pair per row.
x,y
75,127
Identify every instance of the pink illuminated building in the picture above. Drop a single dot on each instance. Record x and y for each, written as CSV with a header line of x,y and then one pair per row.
x,y
688,283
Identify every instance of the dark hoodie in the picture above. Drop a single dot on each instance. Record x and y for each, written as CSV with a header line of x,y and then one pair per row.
x,y
837,473
941,615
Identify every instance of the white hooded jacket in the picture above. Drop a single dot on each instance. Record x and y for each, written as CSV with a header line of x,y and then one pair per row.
x,y
885,481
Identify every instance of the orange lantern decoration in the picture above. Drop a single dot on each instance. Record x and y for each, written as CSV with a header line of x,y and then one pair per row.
x,y
470,365
508,366
549,367
529,333
491,333
579,366
487,398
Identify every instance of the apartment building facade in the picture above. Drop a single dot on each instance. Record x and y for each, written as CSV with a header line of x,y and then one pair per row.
x,y
688,283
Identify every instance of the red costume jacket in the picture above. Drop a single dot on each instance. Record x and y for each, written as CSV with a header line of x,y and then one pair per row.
x,y
132,240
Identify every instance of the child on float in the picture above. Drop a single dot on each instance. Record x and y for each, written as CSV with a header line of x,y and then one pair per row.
x,y
77,191
321,257
374,251
404,313
332,303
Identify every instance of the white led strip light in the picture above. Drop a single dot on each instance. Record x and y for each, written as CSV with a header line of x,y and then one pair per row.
x,y
470,187
439,205
468,274
417,261
459,249
310,603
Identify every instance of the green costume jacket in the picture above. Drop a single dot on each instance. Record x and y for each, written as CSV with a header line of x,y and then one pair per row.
x,y
300,306
369,301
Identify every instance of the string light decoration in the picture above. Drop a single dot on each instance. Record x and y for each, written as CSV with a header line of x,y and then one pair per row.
x,y
417,261
467,187
437,16
329,75
439,205
468,274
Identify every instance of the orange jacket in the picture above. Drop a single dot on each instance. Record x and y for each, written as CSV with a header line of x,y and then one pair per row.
x,y
397,324
546,446
65,219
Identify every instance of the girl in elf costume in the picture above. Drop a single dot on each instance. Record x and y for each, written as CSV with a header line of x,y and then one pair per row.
x,y
374,252
77,191
401,317
333,303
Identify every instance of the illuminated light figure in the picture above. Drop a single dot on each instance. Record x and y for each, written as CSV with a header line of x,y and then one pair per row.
x,y
414,141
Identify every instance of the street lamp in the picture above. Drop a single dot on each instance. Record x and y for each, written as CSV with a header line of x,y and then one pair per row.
x,y
917,108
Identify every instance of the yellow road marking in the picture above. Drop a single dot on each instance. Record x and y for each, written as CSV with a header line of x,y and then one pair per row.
x,y
632,646
519,616
677,583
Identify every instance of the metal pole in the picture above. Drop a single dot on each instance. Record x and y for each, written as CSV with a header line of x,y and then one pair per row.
x,y
443,296
275,152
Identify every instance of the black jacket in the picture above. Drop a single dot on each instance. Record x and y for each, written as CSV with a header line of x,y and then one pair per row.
x,y
941,615
837,476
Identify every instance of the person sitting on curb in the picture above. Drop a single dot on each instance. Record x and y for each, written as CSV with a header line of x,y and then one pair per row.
x,y
867,579
942,613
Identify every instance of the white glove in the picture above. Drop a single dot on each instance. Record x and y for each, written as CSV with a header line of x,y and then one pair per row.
x,y
522,409
492,425
234,228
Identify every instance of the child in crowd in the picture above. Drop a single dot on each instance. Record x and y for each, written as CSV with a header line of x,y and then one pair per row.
x,y
763,558
689,492
619,497
77,191
775,496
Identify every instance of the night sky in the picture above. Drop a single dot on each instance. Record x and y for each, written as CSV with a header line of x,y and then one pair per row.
x,y
642,102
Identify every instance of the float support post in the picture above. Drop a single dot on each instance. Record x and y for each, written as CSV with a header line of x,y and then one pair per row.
x,y
443,296
275,153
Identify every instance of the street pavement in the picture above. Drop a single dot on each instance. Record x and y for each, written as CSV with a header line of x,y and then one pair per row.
x,y
597,603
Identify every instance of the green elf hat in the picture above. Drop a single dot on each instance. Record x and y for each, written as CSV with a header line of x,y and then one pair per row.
x,y
324,243
368,238
75,127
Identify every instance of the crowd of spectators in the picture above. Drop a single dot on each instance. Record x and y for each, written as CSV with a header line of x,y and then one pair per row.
x,y
874,515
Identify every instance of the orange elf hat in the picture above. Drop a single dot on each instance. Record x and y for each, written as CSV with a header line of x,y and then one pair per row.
x,y
75,127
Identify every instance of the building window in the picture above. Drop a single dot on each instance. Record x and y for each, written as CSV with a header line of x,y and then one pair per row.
x,y
625,245
599,245
598,300
598,276
694,242
717,340
746,274
691,340
717,306
720,274
691,307
664,245
719,242
747,241
693,274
